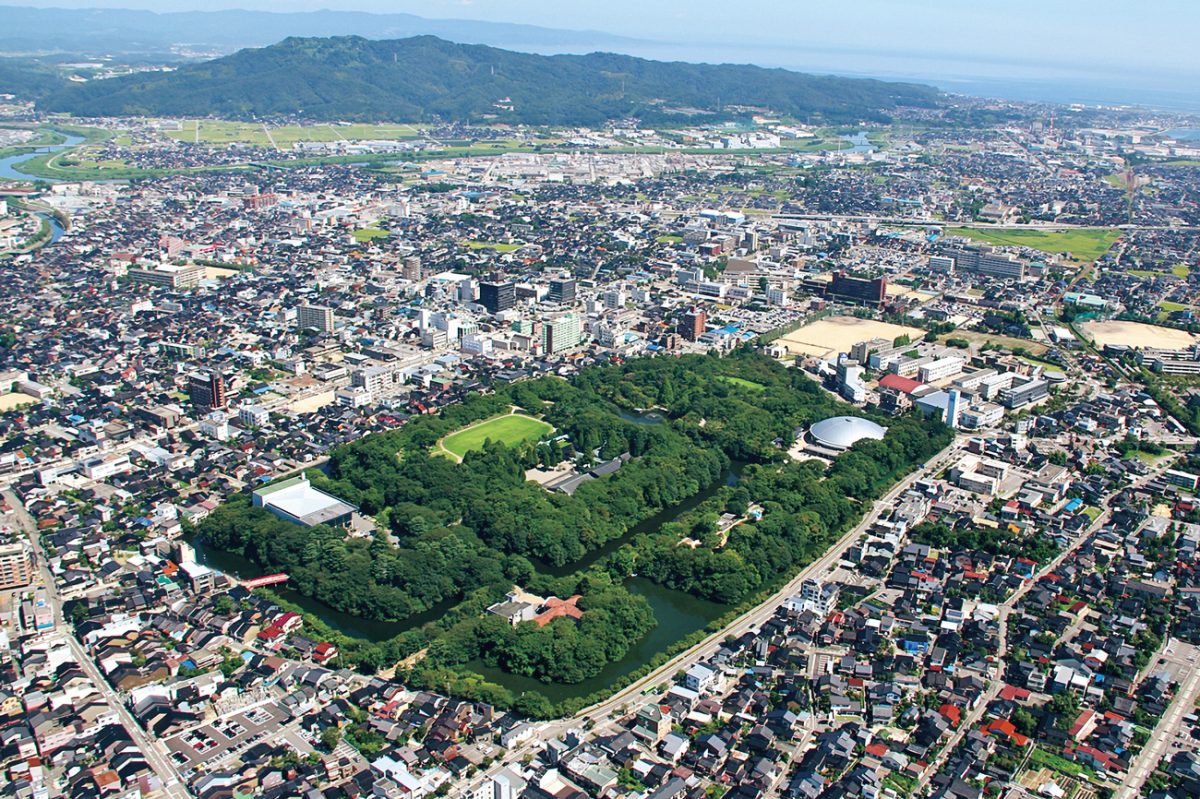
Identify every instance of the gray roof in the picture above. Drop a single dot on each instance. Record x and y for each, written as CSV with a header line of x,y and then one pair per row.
x,y
843,432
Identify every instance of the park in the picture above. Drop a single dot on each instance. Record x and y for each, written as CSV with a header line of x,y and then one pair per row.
x,y
459,526
511,430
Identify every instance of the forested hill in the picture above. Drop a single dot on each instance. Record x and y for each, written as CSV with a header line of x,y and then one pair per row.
x,y
426,78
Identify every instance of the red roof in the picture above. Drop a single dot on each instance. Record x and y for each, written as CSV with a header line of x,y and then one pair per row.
x,y
903,384
1005,728
953,714
1012,693
556,608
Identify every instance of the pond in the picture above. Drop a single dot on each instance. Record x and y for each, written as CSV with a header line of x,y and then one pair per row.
x,y
679,615
233,564
668,514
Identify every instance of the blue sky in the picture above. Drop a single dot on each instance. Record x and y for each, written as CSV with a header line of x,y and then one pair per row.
x,y
1158,34
1102,43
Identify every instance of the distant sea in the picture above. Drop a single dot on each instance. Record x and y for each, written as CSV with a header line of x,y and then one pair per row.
x,y
1056,83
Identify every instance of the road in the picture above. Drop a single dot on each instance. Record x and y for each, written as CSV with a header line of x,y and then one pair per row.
x,y
972,719
172,786
605,713
1185,657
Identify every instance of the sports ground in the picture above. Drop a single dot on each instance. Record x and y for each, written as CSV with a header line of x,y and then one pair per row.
x,y
512,429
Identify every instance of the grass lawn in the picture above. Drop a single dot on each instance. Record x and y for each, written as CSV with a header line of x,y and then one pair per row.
x,y
1092,512
1171,307
1034,348
512,429
370,234
1040,757
484,245
1084,244
669,239
744,383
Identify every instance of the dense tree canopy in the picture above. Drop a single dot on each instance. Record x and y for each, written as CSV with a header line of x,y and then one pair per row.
x,y
468,531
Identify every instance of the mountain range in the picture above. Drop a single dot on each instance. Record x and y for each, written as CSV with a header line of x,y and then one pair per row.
x,y
96,32
425,78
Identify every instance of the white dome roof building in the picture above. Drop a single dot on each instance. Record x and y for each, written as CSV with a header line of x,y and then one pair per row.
x,y
840,433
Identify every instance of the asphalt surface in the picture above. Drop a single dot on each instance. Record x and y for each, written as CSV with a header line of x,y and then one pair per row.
x,y
172,786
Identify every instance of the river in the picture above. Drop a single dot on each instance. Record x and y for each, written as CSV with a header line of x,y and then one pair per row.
x,y
8,172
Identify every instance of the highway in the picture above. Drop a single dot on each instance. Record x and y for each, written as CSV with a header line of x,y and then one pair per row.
x,y
173,787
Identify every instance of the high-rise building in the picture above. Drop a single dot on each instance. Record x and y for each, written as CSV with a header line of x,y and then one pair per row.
x,y
561,334
497,297
16,565
857,289
412,268
562,291
315,317
207,391
692,326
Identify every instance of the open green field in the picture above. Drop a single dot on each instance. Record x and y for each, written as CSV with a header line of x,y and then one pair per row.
x,y
980,339
485,245
223,132
515,428
370,234
744,383
1083,244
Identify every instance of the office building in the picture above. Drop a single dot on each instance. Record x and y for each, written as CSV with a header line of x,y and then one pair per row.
x,y
497,297
315,317
207,391
941,263
562,291
856,289
614,299
1031,390
561,334
692,326
940,369
984,261
169,275
16,565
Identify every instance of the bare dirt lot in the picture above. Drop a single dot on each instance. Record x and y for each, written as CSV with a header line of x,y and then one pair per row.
x,y
827,337
1138,335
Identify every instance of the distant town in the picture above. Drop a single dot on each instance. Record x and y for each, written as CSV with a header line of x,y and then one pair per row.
x,y
760,460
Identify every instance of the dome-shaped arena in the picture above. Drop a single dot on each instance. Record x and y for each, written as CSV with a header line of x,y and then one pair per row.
x,y
842,432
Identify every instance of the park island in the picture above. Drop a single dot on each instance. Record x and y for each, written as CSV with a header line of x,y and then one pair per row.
x,y
534,518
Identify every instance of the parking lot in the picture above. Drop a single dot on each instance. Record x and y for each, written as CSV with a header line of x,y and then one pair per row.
x,y
224,737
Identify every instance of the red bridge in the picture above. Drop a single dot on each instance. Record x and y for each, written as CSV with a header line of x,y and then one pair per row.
x,y
270,579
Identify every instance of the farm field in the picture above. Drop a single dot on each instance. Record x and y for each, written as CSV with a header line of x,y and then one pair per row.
x,y
511,429
223,132
836,334
1084,244
1137,335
